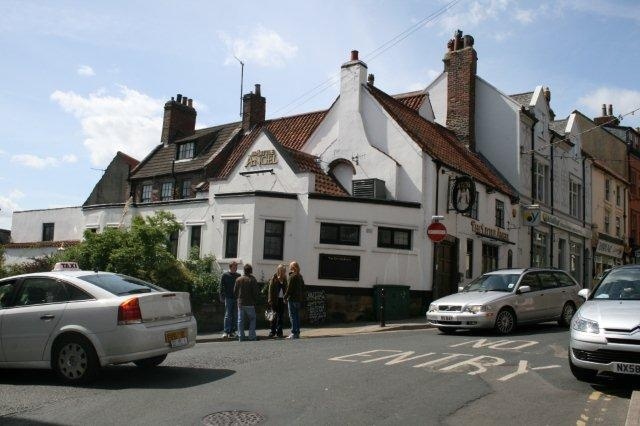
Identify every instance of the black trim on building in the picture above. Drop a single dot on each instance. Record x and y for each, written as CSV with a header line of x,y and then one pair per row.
x,y
270,194
409,204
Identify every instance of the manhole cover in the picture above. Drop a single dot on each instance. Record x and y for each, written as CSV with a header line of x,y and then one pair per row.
x,y
232,418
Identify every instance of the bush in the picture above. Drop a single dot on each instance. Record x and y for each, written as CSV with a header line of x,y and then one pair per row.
x,y
205,277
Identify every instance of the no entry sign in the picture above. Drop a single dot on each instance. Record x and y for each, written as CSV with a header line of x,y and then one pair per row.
x,y
436,232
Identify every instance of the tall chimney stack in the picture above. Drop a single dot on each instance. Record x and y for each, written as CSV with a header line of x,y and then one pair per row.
x,y
253,109
607,118
460,64
179,119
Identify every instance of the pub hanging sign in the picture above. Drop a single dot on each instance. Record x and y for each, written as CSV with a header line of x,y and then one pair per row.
x,y
263,157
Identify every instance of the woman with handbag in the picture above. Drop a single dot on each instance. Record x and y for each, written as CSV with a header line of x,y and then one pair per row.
x,y
275,299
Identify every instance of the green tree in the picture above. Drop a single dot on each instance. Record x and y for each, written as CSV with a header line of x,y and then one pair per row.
x,y
205,276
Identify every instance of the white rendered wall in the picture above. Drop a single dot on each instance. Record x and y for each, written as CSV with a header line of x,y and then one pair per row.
x,y
26,226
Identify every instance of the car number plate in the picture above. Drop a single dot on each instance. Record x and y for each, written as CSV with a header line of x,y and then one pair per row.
x,y
626,368
176,338
446,318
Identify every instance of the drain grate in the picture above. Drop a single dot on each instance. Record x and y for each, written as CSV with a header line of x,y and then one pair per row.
x,y
232,418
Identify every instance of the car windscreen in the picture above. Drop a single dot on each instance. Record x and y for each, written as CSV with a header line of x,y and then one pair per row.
x,y
619,284
120,285
493,282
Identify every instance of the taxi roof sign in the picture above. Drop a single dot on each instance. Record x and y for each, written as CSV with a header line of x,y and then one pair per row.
x,y
66,266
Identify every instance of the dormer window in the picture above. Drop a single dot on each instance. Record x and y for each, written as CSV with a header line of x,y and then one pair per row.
x,y
186,151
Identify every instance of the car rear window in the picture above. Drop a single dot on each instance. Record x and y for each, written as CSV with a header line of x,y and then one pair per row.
x,y
120,285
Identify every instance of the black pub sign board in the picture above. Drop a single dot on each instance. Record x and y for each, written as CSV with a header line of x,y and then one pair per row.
x,y
339,267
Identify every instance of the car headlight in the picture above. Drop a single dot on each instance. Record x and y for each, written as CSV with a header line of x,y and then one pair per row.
x,y
433,307
474,309
585,325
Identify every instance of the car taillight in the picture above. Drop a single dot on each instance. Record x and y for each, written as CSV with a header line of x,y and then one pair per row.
x,y
129,312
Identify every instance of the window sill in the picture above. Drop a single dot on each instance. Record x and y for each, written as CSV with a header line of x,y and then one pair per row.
x,y
394,251
339,247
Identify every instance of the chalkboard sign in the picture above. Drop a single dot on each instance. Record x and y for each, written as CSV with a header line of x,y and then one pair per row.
x,y
339,267
316,306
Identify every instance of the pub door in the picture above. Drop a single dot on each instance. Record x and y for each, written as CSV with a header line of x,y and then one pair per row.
x,y
445,273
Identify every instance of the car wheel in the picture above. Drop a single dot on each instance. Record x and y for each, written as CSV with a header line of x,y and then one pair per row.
x,y
567,313
74,360
505,321
446,330
150,362
582,374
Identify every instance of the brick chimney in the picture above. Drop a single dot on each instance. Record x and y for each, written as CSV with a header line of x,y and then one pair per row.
x,y
460,63
253,109
179,119
607,119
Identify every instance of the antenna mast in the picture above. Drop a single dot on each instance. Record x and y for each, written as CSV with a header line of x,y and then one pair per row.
x,y
241,81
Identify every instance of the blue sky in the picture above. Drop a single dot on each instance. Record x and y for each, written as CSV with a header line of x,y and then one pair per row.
x,y
80,80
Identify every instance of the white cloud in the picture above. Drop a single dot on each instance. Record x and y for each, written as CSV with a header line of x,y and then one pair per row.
x,y
35,162
623,101
1,153
263,46
86,71
473,14
7,207
130,122
525,16
16,194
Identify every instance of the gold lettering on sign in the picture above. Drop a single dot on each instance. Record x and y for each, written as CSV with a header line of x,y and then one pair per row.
x,y
486,231
262,158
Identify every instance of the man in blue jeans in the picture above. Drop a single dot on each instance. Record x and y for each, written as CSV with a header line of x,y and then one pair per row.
x,y
246,292
294,295
227,283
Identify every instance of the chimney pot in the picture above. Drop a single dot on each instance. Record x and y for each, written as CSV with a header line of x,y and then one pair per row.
x,y
610,109
257,90
172,99
354,55
184,100
190,103
468,41
179,97
604,110
370,79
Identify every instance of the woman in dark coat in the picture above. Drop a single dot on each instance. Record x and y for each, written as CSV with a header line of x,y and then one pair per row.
x,y
275,299
294,296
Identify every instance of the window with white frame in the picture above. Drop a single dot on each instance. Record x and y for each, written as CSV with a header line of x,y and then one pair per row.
x,y
145,196
499,214
607,189
540,181
618,196
618,226
185,191
167,191
186,151
607,220
575,199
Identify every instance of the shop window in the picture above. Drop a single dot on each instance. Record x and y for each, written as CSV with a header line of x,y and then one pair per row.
x,y
196,235
334,233
499,214
47,231
167,191
273,239
562,247
394,238
469,259
145,196
510,259
539,249
489,258
231,240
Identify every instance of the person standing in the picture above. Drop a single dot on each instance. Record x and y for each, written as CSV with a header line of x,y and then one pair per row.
x,y
275,299
294,296
246,292
227,283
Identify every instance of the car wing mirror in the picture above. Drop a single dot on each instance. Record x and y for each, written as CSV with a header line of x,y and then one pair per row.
x,y
524,289
584,293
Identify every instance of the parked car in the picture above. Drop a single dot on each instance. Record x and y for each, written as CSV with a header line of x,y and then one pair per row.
x,y
506,298
76,321
605,332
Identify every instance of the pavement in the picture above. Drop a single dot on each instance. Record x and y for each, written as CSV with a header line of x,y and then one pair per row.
x,y
334,330
633,416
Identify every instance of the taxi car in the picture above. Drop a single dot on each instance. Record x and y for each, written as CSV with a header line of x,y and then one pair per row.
x,y
605,332
75,321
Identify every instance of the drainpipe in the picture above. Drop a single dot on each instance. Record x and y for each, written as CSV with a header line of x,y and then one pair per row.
x,y
533,178
438,165
551,233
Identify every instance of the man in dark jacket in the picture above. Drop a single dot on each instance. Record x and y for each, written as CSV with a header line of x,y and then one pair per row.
x,y
246,292
227,283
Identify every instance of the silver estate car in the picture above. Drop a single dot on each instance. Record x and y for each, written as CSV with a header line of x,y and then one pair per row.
x,y
505,298
605,332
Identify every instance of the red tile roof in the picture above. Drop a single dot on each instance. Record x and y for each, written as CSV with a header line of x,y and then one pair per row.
x,y
324,184
411,99
440,143
42,244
